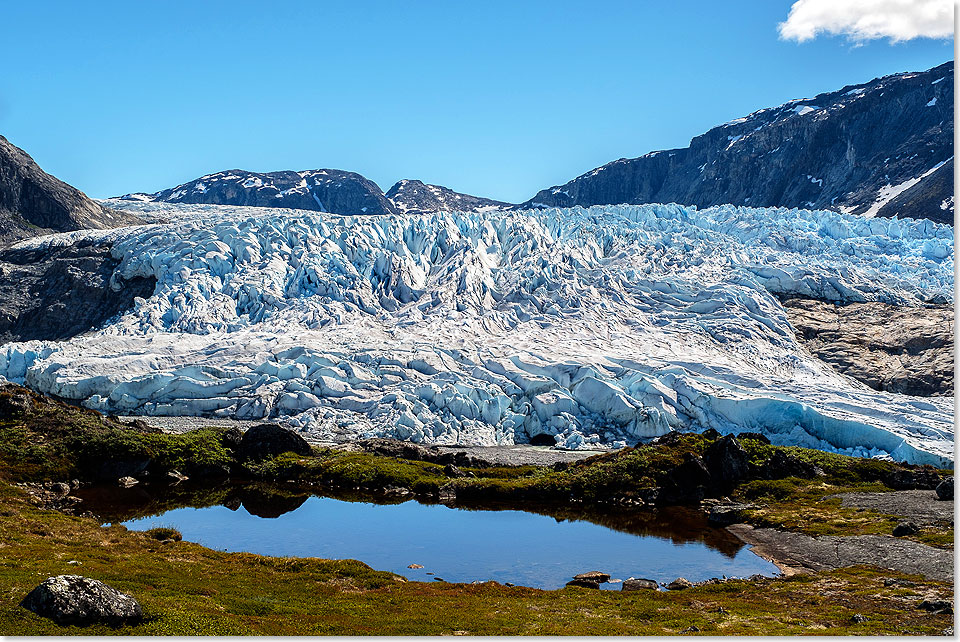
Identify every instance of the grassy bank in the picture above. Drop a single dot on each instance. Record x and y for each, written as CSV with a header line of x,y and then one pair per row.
x,y
186,589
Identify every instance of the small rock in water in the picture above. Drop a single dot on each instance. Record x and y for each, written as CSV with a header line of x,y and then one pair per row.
x,y
590,584
638,584
945,489
74,599
415,566
439,579
127,482
593,576
905,528
858,619
679,584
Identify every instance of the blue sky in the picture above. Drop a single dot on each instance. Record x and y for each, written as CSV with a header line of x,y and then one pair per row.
x,y
493,98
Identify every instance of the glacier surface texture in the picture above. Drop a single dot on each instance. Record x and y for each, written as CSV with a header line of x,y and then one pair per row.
x,y
596,326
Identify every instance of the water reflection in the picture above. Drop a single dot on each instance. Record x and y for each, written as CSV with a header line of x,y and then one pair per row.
x,y
541,546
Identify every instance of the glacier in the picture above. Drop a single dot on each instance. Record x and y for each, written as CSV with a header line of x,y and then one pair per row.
x,y
599,326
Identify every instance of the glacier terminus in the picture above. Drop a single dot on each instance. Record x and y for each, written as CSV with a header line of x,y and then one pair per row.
x,y
599,326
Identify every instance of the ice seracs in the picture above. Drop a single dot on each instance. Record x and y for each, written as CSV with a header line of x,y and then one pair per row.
x,y
602,325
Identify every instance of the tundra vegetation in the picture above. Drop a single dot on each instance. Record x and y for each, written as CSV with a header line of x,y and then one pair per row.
x,y
186,589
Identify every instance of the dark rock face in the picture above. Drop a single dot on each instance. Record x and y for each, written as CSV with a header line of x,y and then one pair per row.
x,y
727,461
883,147
686,483
945,489
416,197
905,528
266,440
322,190
33,202
887,347
60,292
922,478
74,599
590,584
782,465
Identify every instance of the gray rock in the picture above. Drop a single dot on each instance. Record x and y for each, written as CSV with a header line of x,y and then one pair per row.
x,y
905,528
945,489
835,150
593,576
858,619
804,552
638,584
590,584
726,514
58,292
33,202
127,482
907,350
74,599
679,584
267,440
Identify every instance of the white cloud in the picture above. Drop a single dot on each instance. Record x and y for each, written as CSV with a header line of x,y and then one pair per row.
x,y
861,20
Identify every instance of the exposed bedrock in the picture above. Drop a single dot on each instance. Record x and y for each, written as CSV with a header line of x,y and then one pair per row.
x,y
60,292
33,202
908,350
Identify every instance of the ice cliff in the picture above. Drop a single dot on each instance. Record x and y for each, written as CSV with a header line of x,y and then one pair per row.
x,y
600,325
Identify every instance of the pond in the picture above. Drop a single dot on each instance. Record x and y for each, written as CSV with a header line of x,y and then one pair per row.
x,y
456,544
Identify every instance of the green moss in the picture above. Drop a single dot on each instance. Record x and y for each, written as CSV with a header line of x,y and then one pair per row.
x,y
163,533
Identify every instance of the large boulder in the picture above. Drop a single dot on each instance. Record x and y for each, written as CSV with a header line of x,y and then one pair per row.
x,y
638,584
686,483
945,489
267,440
727,461
74,599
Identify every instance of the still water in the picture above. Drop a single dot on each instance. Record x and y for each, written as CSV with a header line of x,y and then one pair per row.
x,y
458,545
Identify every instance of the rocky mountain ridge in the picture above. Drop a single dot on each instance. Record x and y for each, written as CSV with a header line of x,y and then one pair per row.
x,y
33,202
323,190
881,148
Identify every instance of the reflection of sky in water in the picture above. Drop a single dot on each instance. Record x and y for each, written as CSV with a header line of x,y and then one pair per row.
x,y
457,545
